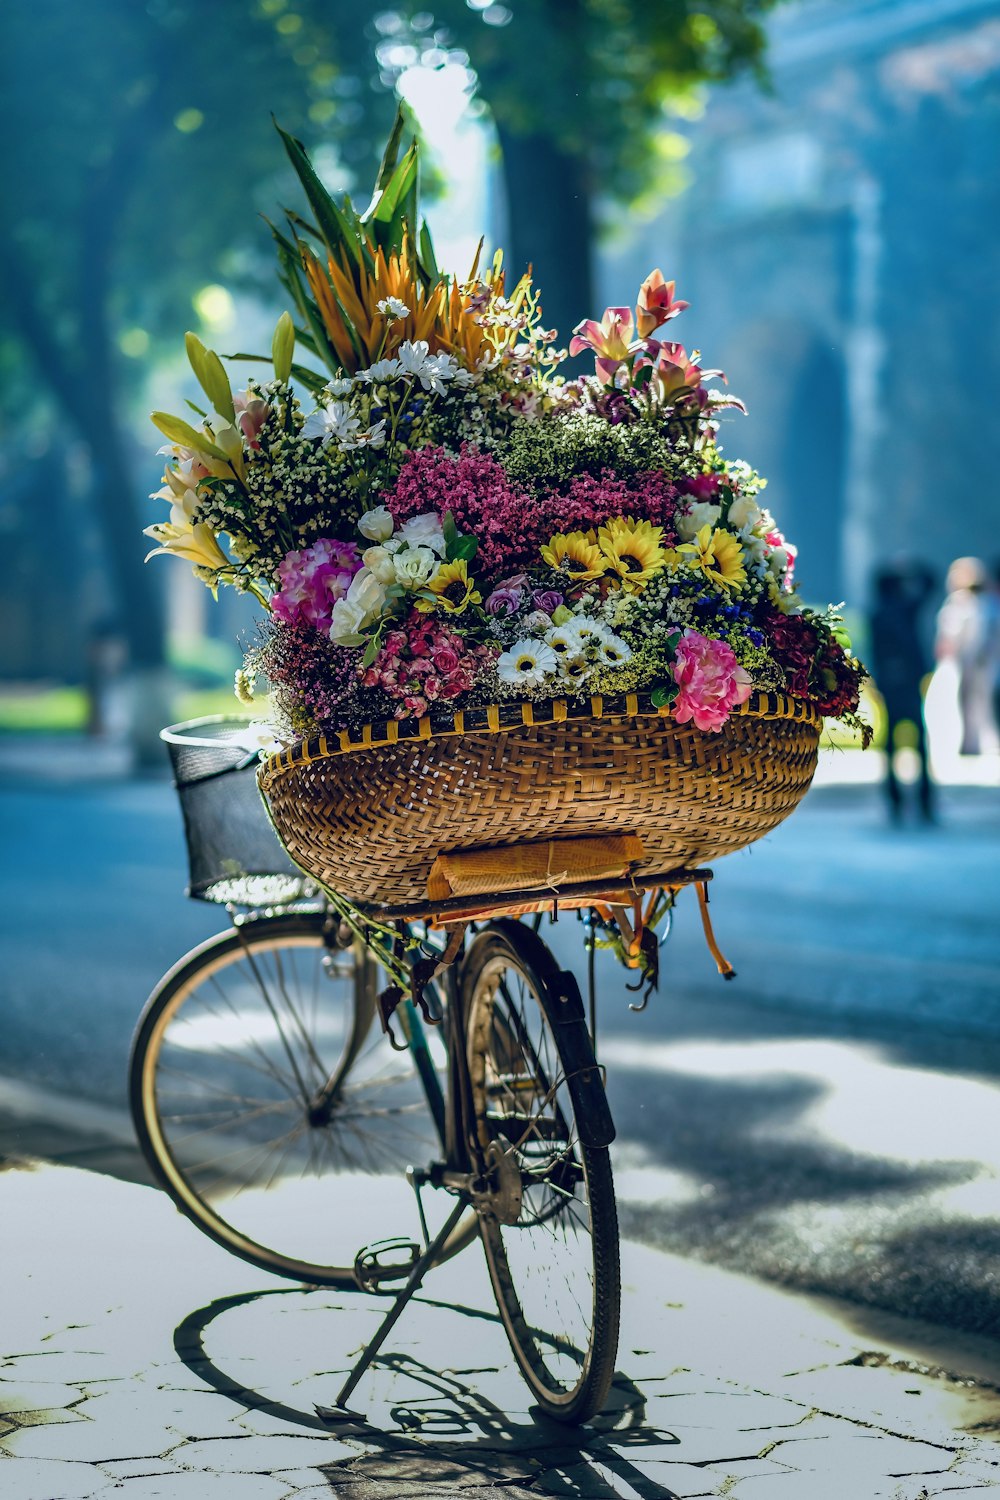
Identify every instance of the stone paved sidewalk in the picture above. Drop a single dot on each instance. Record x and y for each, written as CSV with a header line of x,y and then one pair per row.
x,y
137,1359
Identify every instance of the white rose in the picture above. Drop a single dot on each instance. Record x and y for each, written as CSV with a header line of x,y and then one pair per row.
x,y
424,531
744,513
359,607
778,560
414,567
379,561
702,513
376,524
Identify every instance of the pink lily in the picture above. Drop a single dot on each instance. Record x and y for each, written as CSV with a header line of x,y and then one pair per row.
x,y
656,304
610,340
676,373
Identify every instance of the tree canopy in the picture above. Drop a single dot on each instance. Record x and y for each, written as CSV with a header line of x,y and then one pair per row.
x,y
138,143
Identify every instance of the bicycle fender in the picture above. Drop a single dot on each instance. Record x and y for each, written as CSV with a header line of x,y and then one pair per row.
x,y
583,1076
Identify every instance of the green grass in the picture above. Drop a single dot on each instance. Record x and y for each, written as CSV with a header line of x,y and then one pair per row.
x,y
43,710
63,710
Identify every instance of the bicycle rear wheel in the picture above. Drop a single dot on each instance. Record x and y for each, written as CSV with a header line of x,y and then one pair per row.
x,y
552,1243
268,1106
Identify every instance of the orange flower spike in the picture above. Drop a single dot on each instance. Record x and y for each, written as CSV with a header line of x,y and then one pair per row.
x,y
352,301
329,311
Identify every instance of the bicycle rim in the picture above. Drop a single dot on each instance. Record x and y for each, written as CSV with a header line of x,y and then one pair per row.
x,y
555,1269
231,1054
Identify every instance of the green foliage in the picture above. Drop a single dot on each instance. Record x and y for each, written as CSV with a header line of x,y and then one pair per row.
x,y
545,455
599,77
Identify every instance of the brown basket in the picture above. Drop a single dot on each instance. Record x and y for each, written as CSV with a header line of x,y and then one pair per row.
x,y
367,815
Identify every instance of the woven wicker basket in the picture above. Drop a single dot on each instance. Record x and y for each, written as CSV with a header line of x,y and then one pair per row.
x,y
366,816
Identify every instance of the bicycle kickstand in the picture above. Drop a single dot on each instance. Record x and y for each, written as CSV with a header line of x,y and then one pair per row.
x,y
340,1413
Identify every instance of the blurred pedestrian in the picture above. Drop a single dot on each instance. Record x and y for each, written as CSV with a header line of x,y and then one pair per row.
x,y
968,636
899,663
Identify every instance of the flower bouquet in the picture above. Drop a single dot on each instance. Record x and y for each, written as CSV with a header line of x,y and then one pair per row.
x,y
503,605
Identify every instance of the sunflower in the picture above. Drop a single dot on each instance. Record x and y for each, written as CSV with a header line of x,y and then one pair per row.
x,y
718,555
452,589
576,554
633,551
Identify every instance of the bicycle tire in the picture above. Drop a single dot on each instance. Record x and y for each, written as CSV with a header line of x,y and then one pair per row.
x,y
232,1046
514,1002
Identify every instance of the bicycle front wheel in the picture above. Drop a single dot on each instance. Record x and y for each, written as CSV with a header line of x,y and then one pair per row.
x,y
552,1242
268,1106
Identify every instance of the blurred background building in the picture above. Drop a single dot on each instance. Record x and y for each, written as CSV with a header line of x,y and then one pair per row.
x,y
837,242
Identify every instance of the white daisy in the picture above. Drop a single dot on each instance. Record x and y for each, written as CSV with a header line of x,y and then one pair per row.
x,y
393,309
333,422
382,369
612,651
527,663
564,640
413,357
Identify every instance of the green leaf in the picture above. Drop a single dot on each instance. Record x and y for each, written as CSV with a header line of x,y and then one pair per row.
x,y
464,549
449,528
282,347
398,188
428,260
371,651
660,697
196,409
211,376
390,156
176,430
335,228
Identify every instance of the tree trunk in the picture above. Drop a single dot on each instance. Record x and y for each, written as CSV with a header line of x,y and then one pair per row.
x,y
551,226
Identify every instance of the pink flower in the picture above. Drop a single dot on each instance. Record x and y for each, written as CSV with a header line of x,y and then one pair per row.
x,y
251,414
445,658
610,340
701,486
711,681
588,501
312,581
656,304
676,375
505,521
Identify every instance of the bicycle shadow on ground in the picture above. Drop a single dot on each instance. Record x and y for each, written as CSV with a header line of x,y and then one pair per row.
x,y
421,1423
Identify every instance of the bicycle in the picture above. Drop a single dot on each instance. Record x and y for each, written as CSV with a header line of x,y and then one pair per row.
x,y
258,1073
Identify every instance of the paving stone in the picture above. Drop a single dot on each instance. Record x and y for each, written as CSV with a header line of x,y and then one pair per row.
x,y
42,1395
265,1424
596,1481
49,1479
201,1487
185,1414
139,1468
52,1417
257,1455
856,1453
726,1411
90,1441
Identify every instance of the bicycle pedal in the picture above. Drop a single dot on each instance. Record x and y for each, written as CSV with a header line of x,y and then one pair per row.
x,y
379,1263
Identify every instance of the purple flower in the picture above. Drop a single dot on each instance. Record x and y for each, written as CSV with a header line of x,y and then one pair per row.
x,y
547,600
504,600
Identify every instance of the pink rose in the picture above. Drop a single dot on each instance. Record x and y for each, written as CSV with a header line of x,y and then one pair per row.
x,y
445,658
711,681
